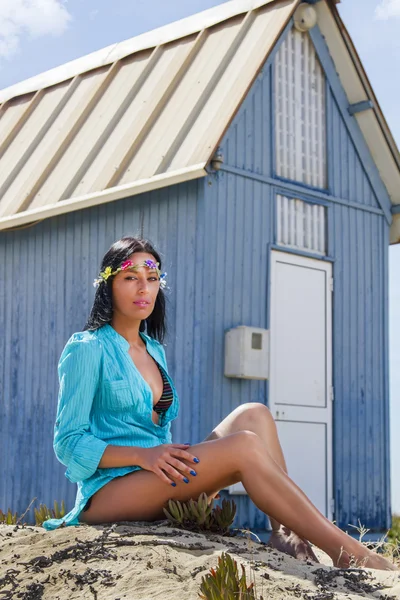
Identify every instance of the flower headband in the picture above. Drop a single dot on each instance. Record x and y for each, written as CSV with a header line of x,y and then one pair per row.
x,y
128,264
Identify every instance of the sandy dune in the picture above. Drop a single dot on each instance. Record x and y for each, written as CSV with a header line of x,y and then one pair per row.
x,y
139,561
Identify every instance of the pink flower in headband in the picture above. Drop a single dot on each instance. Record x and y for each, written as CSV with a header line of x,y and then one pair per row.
x,y
126,265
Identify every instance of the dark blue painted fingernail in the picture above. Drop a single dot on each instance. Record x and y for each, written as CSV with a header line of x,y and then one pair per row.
x,y
196,460
193,472
173,484
187,444
186,480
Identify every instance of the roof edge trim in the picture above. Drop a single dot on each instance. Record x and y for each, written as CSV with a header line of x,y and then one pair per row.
x,y
115,193
369,90
162,35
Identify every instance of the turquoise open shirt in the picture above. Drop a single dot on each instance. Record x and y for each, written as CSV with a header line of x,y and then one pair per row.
x,y
103,399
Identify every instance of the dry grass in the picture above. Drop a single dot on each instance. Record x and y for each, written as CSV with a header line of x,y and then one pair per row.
x,y
388,545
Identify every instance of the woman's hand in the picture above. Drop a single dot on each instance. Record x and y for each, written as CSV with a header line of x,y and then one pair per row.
x,y
166,462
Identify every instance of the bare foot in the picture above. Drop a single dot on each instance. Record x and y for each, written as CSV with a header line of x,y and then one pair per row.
x,y
364,559
286,541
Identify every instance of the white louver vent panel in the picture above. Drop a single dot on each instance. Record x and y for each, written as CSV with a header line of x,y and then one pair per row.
x,y
301,225
300,128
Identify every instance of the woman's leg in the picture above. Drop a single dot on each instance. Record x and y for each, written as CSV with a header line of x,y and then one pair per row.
x,y
257,418
237,457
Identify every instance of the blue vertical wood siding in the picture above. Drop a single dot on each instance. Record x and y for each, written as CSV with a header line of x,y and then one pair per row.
x,y
360,361
348,177
248,143
233,292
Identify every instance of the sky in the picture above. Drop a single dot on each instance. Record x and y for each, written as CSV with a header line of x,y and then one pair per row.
x,y
37,35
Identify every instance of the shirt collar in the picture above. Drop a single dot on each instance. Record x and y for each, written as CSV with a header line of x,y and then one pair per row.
x,y
118,338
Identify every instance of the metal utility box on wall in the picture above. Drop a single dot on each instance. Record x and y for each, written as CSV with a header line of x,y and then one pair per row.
x,y
247,353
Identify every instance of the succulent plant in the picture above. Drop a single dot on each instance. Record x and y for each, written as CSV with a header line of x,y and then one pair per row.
x,y
225,515
8,518
41,515
200,515
45,513
223,583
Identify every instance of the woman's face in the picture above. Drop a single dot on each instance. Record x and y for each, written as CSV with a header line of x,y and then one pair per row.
x,y
134,292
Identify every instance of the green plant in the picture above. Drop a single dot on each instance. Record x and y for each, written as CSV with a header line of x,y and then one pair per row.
x,y
8,518
394,533
200,515
41,514
223,583
391,548
45,513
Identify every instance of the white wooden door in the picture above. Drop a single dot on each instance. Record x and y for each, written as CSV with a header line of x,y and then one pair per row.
x,y
300,383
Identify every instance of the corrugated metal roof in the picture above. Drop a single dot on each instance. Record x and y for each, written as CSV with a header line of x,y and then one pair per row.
x,y
148,119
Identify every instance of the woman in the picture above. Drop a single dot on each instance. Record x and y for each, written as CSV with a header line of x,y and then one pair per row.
x,y
115,408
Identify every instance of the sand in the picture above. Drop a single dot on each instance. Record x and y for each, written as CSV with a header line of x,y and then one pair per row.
x,y
137,561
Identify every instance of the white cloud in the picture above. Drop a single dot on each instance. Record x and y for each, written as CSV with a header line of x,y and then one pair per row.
x,y
29,17
387,9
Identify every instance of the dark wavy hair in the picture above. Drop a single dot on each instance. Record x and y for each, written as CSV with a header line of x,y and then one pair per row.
x,y
102,308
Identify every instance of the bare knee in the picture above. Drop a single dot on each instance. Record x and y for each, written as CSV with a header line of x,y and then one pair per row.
x,y
255,412
248,447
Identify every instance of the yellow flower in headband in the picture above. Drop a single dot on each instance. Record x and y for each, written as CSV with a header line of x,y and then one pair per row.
x,y
106,273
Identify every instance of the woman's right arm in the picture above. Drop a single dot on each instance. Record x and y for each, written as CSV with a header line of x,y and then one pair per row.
x,y
121,456
74,444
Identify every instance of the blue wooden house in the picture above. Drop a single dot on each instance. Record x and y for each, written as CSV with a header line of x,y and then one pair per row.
x,y
247,144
